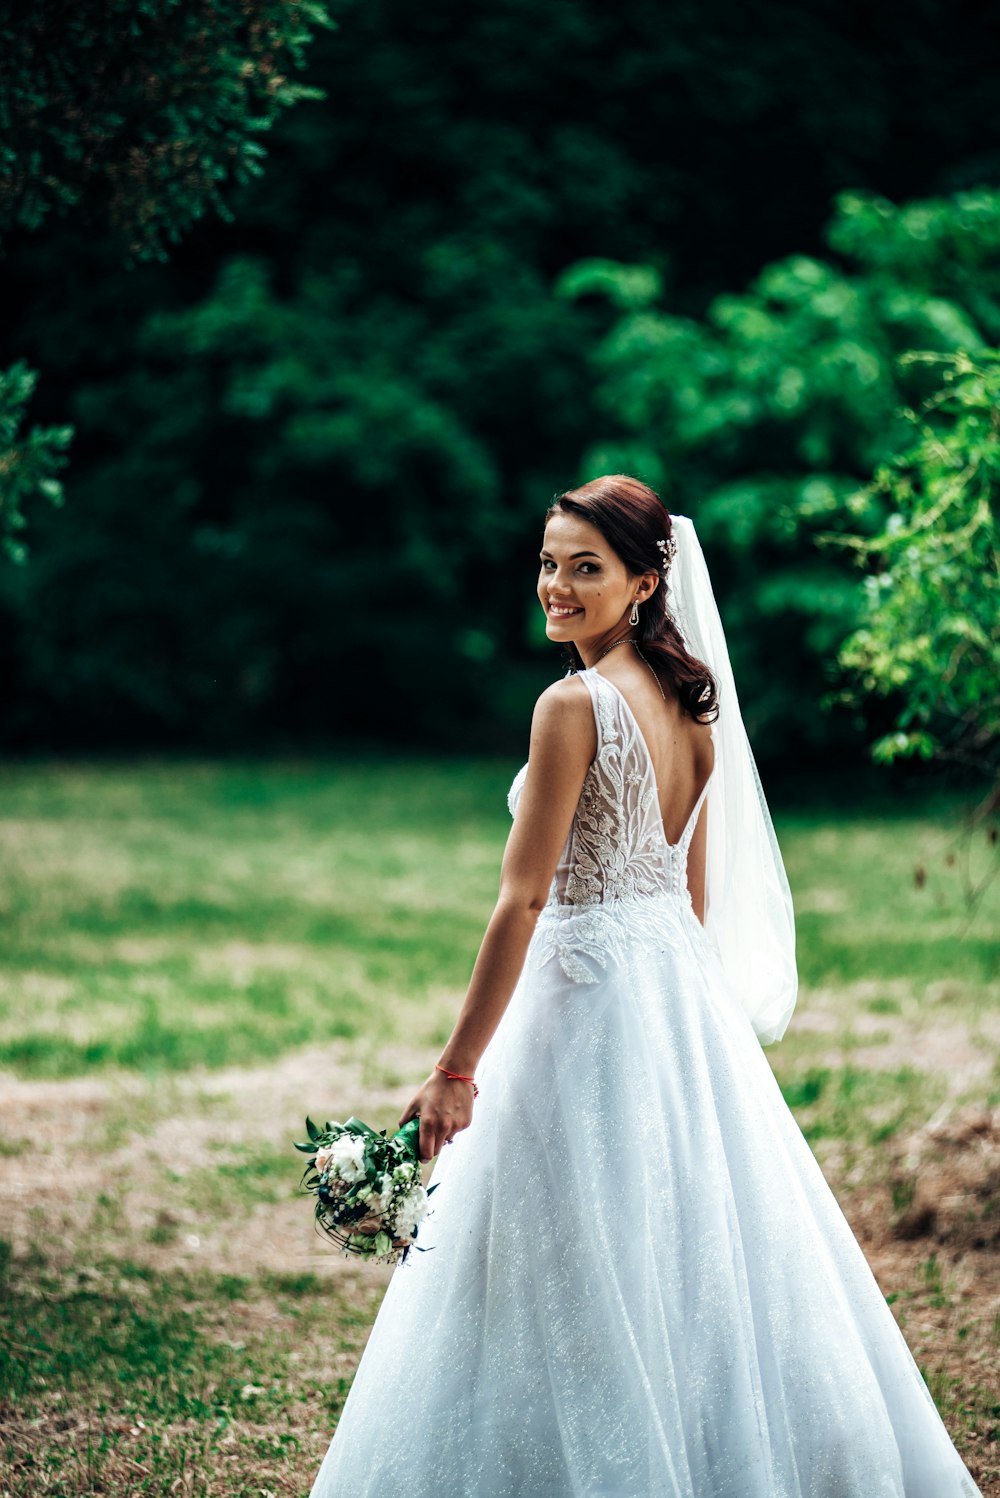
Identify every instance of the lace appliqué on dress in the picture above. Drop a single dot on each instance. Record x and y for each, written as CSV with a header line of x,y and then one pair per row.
x,y
616,849
589,940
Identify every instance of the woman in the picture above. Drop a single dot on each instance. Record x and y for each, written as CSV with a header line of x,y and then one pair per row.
x,y
638,1283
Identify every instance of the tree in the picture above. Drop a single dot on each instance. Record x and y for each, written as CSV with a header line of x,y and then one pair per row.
x,y
763,418
399,394
137,115
929,637
28,464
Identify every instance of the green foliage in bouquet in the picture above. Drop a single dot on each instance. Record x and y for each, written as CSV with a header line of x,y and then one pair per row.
x,y
369,1196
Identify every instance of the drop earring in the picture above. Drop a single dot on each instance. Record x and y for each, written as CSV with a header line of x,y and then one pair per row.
x,y
633,618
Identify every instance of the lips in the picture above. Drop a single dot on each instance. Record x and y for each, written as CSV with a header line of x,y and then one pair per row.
x,y
558,612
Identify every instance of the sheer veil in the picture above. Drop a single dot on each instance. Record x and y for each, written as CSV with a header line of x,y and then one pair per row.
x,y
748,905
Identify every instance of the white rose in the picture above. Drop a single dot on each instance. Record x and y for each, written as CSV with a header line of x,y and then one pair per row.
x,y
347,1158
323,1157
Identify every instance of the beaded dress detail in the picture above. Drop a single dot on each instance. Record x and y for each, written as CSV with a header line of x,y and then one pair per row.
x,y
616,847
637,1282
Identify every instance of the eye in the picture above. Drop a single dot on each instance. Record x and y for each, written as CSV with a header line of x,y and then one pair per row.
x,y
547,562
592,565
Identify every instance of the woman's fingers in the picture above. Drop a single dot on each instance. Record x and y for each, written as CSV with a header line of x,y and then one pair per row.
x,y
435,1133
428,1138
438,1124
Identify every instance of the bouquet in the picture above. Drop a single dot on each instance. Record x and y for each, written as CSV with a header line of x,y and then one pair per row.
x,y
369,1196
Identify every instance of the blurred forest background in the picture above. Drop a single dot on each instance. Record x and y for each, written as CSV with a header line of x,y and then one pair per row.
x,y
508,248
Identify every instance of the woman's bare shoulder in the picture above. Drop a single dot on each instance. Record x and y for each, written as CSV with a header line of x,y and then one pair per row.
x,y
564,713
565,700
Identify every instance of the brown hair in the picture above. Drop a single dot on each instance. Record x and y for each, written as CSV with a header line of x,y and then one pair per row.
x,y
632,519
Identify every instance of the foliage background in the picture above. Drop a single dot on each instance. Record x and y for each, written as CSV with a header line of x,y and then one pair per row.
x,y
339,417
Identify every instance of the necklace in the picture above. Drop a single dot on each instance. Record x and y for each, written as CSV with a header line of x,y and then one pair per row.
x,y
631,640
625,640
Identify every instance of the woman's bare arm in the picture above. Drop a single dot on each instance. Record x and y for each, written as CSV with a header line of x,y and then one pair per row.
x,y
563,744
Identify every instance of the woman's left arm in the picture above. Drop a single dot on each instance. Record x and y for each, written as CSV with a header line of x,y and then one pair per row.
x,y
563,744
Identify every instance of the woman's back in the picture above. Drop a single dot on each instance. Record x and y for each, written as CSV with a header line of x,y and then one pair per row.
x,y
619,846
682,756
681,751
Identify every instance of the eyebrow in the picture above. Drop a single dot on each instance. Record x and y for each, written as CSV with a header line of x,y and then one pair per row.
x,y
576,554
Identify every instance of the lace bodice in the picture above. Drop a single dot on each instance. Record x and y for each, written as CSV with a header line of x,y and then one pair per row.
x,y
616,847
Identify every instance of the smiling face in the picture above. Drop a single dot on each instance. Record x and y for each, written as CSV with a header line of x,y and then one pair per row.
x,y
584,587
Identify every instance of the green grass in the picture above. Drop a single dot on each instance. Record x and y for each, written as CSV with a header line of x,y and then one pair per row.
x,y
848,1104
189,1382
163,916
159,919
859,912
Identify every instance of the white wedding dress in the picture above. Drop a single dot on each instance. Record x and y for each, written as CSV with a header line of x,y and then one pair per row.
x,y
637,1282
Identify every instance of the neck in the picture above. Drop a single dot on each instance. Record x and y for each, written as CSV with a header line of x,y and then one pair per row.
x,y
591,651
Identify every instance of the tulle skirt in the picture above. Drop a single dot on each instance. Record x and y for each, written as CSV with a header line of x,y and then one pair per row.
x,y
636,1283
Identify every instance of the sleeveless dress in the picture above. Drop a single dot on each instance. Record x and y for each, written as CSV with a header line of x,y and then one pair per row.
x,y
637,1282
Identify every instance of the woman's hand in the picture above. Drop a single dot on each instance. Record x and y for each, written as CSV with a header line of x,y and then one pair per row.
x,y
445,1108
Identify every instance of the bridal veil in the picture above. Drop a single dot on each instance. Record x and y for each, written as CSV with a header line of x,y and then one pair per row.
x,y
748,903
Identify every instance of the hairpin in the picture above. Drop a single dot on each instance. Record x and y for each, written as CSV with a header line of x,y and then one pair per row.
x,y
668,550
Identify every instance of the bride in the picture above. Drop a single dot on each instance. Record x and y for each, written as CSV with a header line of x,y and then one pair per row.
x,y
637,1282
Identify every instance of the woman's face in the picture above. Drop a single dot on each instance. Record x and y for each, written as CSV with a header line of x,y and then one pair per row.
x,y
584,586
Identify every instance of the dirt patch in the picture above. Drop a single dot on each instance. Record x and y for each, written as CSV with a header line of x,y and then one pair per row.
x,y
137,1159
946,1180
915,1032
947,1050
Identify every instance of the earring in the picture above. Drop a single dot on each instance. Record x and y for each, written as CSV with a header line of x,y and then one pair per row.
x,y
633,618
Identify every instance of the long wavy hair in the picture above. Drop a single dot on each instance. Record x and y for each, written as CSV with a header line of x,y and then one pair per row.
x,y
632,518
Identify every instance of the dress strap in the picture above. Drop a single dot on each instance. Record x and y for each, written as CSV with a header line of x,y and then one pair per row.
x,y
684,841
605,698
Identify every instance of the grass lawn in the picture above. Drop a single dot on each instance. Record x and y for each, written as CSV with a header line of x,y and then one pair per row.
x,y
196,954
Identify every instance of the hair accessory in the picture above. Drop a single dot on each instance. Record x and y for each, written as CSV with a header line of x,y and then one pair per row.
x,y
668,550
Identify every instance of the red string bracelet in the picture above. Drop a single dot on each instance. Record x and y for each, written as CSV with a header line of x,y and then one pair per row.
x,y
456,1076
